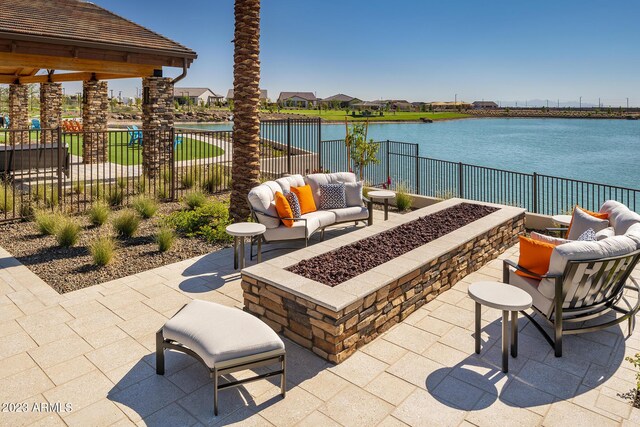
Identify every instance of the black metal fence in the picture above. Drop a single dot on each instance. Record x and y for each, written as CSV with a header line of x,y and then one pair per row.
x,y
48,168
400,164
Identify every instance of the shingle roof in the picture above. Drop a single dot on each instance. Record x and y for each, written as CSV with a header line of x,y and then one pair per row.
x,y
192,91
81,21
341,97
309,96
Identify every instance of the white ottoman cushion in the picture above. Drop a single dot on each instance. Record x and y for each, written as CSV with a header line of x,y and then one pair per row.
x,y
222,335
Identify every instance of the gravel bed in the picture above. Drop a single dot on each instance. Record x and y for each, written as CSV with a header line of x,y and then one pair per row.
x,y
69,269
340,265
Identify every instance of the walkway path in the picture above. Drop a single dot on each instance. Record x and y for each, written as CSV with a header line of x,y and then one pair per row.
x,y
94,349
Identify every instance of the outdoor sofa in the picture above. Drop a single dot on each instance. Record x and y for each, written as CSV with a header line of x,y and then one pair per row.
x,y
263,209
586,281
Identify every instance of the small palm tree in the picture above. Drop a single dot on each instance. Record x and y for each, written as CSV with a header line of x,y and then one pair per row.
x,y
246,96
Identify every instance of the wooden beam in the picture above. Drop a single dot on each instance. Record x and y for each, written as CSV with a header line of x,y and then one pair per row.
x,y
75,64
66,77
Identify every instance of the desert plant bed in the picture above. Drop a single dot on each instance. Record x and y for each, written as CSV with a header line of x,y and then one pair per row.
x,y
72,268
347,262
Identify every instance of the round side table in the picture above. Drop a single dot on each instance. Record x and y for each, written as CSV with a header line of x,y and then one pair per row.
x,y
385,195
239,231
507,298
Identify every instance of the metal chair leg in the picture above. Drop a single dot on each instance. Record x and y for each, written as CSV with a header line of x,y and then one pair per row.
x,y
215,392
283,377
159,353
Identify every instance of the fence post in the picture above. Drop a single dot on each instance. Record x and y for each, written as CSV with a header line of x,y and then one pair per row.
x,y
535,192
460,180
288,146
319,143
417,174
60,162
172,158
388,169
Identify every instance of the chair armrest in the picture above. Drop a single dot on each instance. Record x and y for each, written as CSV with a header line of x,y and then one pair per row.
x,y
508,263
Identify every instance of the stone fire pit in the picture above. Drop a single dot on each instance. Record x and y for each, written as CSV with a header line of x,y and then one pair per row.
x,y
334,321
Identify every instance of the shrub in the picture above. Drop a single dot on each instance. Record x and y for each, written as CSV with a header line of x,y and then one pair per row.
x,y
67,232
114,196
47,221
26,210
99,213
208,221
122,183
6,197
126,223
190,176
141,185
47,194
403,200
195,200
102,249
145,206
214,179
165,238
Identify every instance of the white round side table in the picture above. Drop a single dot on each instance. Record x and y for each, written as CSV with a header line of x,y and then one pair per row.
x,y
385,195
507,298
564,220
239,231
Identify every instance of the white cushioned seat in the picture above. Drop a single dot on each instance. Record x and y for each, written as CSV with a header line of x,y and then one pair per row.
x,y
286,182
353,213
530,286
261,199
324,218
222,336
297,231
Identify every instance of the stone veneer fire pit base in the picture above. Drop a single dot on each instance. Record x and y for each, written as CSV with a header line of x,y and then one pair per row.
x,y
334,322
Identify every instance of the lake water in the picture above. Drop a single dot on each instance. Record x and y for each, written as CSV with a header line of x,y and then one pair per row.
x,y
604,151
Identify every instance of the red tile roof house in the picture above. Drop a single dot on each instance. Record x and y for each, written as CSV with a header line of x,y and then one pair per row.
x,y
297,99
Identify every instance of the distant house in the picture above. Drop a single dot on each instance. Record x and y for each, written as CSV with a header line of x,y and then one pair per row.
x,y
264,98
484,105
340,100
297,99
369,105
448,105
196,96
398,104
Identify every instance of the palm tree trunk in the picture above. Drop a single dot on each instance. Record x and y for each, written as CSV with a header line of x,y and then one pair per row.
x,y
246,101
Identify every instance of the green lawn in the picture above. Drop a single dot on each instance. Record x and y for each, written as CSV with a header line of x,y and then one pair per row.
x,y
401,116
121,153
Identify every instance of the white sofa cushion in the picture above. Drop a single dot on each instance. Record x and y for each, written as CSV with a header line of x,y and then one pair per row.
x,y
579,251
352,213
220,334
324,218
606,233
261,199
315,180
297,231
286,182
548,239
582,221
530,286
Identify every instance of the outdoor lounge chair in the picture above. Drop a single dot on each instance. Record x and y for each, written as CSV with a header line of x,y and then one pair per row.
x,y
35,124
135,137
225,340
586,281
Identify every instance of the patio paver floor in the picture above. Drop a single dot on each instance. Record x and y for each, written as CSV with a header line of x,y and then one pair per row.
x,y
94,348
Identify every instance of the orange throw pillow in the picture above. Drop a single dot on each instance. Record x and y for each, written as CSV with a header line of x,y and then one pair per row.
x,y
305,197
593,214
534,256
284,209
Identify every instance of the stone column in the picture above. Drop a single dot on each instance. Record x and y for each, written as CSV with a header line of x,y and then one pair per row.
x,y
95,111
157,121
50,109
18,112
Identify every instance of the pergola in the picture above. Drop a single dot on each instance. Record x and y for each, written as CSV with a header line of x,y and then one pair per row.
x,y
74,40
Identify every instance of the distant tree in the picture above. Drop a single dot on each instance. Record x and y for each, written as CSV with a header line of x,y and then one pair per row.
x,y
362,152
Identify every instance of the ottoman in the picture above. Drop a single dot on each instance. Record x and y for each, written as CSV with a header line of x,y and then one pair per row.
x,y
225,340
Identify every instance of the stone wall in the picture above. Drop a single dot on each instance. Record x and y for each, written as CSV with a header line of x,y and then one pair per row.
x,y
19,112
50,109
157,120
335,335
95,112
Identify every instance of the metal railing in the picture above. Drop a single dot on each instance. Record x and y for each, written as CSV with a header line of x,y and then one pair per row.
x,y
48,168
400,164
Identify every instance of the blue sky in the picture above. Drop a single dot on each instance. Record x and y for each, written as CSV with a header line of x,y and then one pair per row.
x,y
414,49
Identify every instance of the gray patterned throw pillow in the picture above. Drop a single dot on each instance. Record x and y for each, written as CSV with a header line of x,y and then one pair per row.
x,y
588,236
332,196
294,203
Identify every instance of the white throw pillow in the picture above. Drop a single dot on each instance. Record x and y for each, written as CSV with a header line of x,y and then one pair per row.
x,y
607,232
582,221
353,193
548,239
